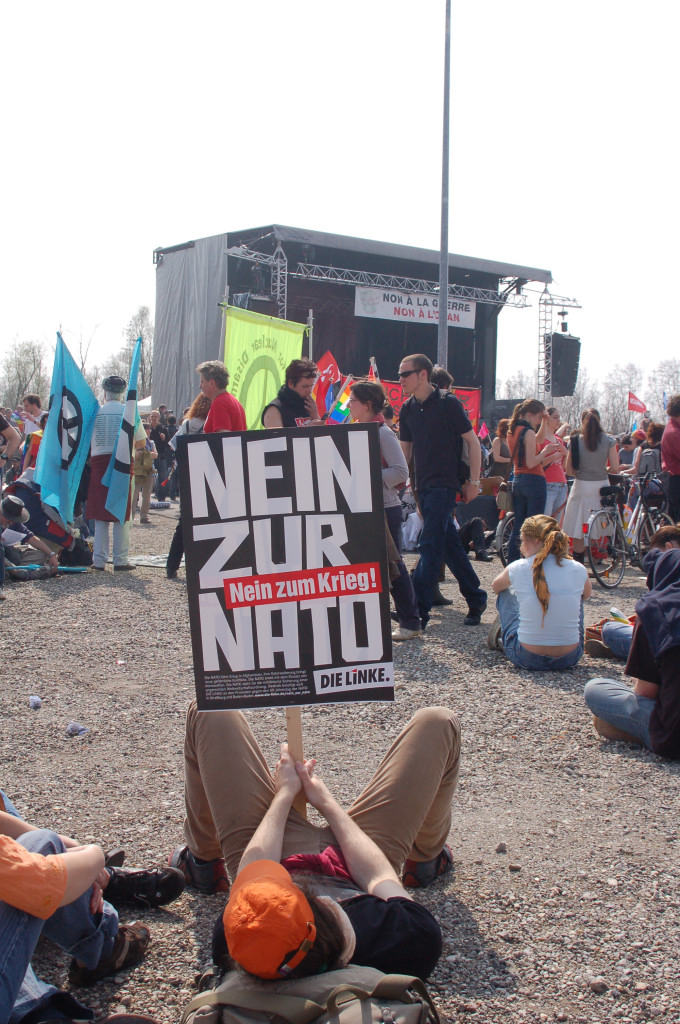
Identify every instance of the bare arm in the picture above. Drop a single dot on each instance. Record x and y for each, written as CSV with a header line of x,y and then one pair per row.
x,y
496,451
614,465
272,418
267,840
470,490
645,689
587,590
502,582
13,438
367,864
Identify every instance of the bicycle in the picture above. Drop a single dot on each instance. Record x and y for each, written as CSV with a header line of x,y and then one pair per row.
x,y
610,542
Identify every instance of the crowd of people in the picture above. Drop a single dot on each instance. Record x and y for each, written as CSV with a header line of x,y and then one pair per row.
x,y
305,899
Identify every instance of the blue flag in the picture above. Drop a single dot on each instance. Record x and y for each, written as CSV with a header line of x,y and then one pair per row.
x,y
65,445
117,477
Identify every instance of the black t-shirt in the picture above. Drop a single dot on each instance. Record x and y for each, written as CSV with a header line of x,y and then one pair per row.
x,y
435,427
155,435
664,672
397,936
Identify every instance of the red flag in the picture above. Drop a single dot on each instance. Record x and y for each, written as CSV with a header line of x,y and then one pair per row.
x,y
483,431
634,404
373,370
328,374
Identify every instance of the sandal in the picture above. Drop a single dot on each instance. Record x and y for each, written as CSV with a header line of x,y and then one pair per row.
x,y
128,949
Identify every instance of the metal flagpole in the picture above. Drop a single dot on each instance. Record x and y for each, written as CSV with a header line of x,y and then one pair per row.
x,y
443,331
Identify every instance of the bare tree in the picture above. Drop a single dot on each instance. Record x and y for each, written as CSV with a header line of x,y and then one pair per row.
x,y
614,407
586,396
140,326
520,386
665,379
25,369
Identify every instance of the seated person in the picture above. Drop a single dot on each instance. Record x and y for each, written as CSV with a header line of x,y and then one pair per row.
x,y
51,885
616,636
13,515
472,535
350,894
540,610
649,712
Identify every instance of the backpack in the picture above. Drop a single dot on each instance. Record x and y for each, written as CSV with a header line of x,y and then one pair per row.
x,y
650,462
144,466
352,995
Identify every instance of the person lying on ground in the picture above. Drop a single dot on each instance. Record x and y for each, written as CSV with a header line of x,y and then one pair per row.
x,y
615,637
649,712
51,885
540,601
347,879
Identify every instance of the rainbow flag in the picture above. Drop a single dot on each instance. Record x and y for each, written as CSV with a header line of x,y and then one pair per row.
x,y
340,410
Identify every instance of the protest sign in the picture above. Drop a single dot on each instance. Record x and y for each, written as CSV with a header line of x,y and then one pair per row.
x,y
286,562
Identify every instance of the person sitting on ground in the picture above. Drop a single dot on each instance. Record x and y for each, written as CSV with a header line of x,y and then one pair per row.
x,y
649,712
13,516
351,892
540,611
294,405
472,535
616,637
51,885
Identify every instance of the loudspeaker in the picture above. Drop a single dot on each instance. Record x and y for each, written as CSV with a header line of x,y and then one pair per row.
x,y
566,352
500,409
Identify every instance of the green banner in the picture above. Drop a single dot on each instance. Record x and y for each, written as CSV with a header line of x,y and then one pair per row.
x,y
257,350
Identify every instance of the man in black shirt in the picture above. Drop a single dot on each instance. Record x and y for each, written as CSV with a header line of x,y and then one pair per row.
x,y
432,427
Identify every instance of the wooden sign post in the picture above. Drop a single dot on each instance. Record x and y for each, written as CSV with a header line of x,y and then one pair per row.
x,y
295,749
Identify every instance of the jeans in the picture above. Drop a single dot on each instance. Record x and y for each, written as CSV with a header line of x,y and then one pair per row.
x,y
162,473
508,609
616,703
89,939
618,637
556,497
439,540
402,588
528,498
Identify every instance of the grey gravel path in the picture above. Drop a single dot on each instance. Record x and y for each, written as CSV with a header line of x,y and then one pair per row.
x,y
565,900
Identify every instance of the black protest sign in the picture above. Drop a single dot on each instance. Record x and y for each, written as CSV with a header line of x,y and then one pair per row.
x,y
286,562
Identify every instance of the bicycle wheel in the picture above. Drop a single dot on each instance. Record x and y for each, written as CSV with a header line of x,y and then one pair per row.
x,y
651,521
503,531
606,549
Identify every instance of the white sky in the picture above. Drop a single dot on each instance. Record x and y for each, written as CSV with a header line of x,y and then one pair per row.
x,y
145,124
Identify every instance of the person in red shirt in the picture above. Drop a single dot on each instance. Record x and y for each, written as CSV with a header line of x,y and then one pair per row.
x,y
670,455
226,412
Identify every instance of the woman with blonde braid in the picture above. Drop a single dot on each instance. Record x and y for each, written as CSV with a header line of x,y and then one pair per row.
x,y
540,611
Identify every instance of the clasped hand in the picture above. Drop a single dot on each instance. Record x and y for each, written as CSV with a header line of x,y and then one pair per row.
x,y
290,777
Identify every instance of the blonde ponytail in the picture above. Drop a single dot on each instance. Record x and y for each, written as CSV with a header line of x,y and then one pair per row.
x,y
553,542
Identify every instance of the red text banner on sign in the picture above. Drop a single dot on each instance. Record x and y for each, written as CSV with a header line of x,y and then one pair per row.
x,y
309,584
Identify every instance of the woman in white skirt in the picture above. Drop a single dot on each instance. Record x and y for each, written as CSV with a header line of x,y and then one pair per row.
x,y
591,455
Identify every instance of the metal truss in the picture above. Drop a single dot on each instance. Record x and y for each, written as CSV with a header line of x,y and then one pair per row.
x,y
546,306
341,275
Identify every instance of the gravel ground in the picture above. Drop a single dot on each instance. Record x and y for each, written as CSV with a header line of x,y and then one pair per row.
x,y
565,900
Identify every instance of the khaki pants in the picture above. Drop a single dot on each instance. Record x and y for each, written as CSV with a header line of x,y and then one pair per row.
x,y
143,485
405,809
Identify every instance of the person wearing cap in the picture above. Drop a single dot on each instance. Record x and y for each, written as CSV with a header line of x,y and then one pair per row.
x,y
104,436
13,515
307,898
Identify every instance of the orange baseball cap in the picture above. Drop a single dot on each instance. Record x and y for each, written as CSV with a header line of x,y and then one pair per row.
x,y
268,922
